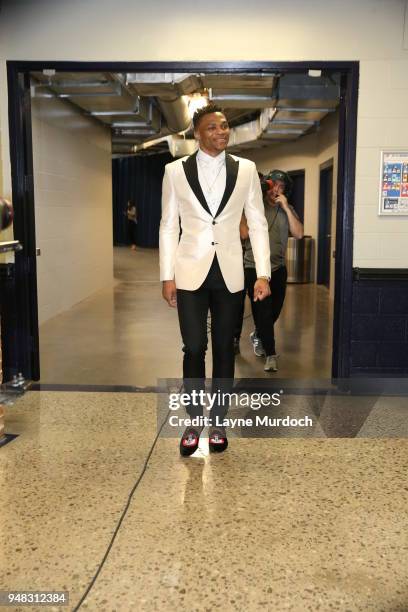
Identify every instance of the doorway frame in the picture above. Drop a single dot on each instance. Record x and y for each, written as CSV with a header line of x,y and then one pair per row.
x,y
299,172
22,174
327,165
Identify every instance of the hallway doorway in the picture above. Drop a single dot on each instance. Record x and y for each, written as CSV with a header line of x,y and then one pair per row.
x,y
21,153
325,226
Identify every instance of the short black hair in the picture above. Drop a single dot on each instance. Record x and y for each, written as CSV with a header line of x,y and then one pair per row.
x,y
205,110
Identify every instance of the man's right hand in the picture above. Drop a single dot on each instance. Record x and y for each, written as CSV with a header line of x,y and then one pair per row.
x,y
261,289
169,292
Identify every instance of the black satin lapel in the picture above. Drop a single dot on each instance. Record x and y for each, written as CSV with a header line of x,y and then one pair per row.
x,y
191,172
231,167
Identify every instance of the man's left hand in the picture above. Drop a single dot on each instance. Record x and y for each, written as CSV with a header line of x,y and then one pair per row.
x,y
261,289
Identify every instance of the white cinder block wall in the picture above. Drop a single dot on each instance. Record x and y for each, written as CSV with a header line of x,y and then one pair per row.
x,y
370,31
383,123
73,205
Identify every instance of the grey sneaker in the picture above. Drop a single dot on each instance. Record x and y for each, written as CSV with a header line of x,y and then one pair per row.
x,y
257,344
271,363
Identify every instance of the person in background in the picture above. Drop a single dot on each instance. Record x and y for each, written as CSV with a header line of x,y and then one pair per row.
x,y
282,220
131,214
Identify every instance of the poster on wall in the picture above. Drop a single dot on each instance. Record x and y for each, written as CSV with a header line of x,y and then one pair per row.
x,y
394,183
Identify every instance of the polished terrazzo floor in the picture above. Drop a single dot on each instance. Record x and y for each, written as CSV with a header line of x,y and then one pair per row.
x,y
96,503
127,335
272,524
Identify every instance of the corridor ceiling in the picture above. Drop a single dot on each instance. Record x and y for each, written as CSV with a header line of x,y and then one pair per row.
x,y
148,113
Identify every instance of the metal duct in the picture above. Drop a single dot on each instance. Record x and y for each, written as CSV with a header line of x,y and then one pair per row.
x,y
146,111
178,147
165,85
247,132
176,113
170,91
243,101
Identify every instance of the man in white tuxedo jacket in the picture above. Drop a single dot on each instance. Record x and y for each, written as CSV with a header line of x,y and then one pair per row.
x,y
204,195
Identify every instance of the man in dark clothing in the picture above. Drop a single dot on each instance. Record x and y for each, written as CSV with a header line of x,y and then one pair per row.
x,y
282,219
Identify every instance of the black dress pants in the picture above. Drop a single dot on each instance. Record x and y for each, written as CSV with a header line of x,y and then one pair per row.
x,y
193,307
266,312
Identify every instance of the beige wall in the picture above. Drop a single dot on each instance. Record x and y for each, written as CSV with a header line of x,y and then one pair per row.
x,y
1,167
6,234
308,154
383,123
73,205
370,31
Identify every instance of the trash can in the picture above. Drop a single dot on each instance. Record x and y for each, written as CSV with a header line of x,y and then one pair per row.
x,y
299,259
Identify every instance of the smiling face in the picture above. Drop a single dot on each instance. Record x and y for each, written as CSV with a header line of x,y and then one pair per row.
x,y
212,133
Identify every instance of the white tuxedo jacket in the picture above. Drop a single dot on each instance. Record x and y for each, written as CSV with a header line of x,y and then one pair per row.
x,y
188,258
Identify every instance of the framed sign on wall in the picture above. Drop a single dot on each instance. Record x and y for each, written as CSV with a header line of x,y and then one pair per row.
x,y
394,183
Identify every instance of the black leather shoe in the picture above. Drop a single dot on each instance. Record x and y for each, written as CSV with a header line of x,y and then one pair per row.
x,y
217,440
189,441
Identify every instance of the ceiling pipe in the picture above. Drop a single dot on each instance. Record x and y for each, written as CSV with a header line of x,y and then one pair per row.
x,y
176,113
170,91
